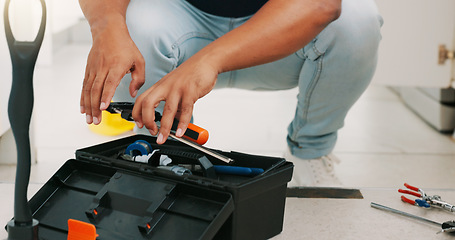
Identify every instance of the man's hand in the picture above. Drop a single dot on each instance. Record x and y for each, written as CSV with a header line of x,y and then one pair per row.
x,y
113,55
180,89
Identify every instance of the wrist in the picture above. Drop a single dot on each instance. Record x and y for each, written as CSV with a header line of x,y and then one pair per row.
x,y
113,22
212,57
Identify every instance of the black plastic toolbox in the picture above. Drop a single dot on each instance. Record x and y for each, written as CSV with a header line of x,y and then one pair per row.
x,y
131,200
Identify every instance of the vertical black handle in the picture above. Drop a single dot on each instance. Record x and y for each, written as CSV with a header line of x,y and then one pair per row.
x,y
20,106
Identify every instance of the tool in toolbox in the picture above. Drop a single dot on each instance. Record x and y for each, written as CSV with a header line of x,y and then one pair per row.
x,y
196,134
235,170
447,227
203,149
424,200
139,147
141,151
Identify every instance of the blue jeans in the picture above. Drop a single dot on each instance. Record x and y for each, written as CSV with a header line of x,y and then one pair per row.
x,y
331,72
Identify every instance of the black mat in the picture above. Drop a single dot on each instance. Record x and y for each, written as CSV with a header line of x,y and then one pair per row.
x,y
323,192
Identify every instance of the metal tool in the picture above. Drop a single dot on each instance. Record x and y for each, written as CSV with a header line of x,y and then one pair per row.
x,y
426,200
178,170
202,149
125,110
448,226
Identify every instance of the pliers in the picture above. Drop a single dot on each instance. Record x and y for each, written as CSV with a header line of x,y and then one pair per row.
x,y
426,200
415,192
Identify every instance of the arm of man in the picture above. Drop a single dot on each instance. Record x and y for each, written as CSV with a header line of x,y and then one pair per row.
x,y
113,54
277,30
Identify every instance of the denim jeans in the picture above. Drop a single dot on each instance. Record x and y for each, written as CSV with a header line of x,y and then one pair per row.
x,y
331,72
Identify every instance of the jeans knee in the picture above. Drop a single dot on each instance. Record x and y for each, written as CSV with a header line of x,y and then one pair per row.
x,y
357,30
151,22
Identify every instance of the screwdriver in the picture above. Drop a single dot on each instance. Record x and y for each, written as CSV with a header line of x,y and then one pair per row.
x,y
203,149
193,133
448,227
197,135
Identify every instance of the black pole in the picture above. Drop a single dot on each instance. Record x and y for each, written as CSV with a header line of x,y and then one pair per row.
x,y
20,106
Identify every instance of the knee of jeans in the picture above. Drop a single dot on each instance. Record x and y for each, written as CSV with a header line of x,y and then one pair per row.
x,y
356,30
150,23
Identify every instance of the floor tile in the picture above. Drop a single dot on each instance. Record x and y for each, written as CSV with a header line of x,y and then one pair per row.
x,y
363,170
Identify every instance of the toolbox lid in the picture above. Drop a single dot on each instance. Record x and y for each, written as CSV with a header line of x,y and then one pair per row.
x,y
124,204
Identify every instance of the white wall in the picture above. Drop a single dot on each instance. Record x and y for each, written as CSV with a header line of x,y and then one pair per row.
x,y
64,14
5,69
25,16
412,33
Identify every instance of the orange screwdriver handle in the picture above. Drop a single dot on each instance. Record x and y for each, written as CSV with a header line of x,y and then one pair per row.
x,y
193,133
196,134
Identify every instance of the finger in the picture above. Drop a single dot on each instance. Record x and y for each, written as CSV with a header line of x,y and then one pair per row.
x,y
169,111
86,89
82,101
186,111
137,110
138,77
95,96
148,116
110,85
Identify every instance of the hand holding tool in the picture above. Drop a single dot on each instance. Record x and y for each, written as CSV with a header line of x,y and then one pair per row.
x,y
426,200
448,226
193,132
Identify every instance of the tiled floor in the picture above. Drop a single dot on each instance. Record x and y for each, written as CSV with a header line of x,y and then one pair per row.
x,y
382,145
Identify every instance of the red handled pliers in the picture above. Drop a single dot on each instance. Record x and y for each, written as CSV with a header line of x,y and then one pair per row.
x,y
415,192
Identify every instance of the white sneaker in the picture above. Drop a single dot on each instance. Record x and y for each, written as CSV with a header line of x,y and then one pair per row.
x,y
317,172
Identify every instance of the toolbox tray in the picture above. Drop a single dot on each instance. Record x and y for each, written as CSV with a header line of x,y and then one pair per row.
x,y
131,200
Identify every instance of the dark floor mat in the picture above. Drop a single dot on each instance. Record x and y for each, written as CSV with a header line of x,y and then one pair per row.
x,y
323,192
